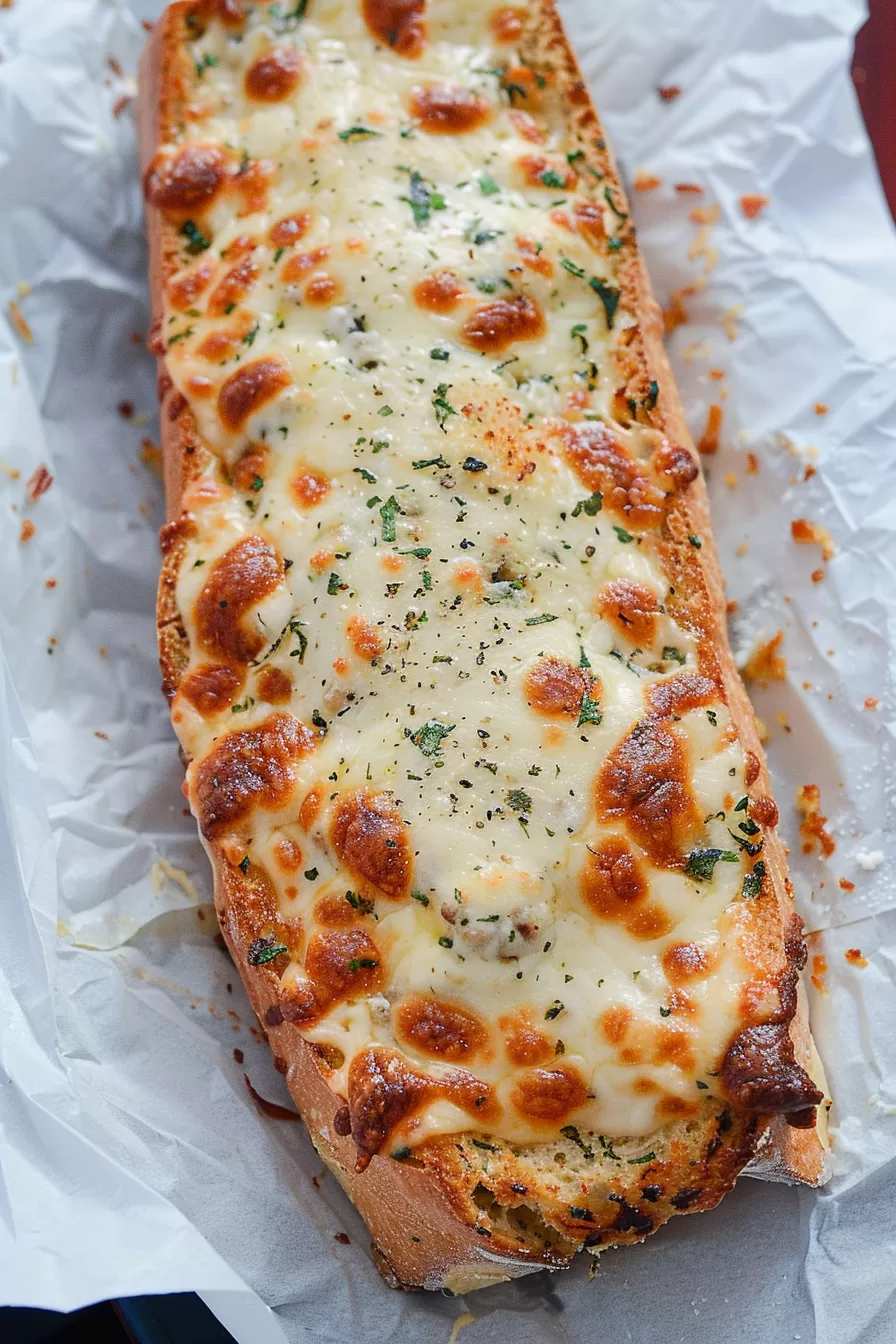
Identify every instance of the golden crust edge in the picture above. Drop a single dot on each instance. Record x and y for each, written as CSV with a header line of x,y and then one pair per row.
x,y
452,1255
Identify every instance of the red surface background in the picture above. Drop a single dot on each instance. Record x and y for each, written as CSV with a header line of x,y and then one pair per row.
x,y
874,71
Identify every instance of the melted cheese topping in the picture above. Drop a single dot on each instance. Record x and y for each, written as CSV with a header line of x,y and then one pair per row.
x,y
437,694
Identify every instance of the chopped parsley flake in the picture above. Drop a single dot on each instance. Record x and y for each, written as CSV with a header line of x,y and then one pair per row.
x,y
555,1010
429,737
622,534
196,239
589,711
357,133
264,950
519,800
701,862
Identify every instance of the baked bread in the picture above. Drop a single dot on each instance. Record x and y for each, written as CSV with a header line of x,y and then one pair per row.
x,y
442,628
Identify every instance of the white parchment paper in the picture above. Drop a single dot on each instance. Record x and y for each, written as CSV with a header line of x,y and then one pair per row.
x,y
132,1159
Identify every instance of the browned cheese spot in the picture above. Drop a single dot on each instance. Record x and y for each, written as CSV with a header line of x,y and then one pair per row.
x,y
302,264
507,23
364,637
548,1096
397,23
250,388
185,183
683,962
444,109
230,13
765,811
334,911
440,1028
233,287
185,287
524,1043
249,770
676,464
311,806
496,326
384,1089
674,1045
211,688
250,467
614,888
631,608
752,768
645,783
242,577
681,693
615,1022
322,290
438,292
556,688
344,965
370,838
274,76
538,171
288,854
760,1074
590,222
290,229
603,465
310,487
274,686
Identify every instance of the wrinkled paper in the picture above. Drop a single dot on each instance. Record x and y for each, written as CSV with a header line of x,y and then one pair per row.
x,y
132,1157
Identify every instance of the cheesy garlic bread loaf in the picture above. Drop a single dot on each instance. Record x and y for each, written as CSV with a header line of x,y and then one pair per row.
x,y
442,629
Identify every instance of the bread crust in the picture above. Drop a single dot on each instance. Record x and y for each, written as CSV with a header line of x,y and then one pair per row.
x,y
422,1214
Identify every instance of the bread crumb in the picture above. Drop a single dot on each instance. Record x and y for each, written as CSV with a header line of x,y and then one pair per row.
x,y
752,464
675,314
753,205
700,248
688,189
871,702
121,103
98,732
27,530
668,93
762,730
819,971
765,664
343,1238
731,606
645,181
806,533
782,720
717,375
708,443
729,320
817,575
38,483
854,956
812,827
869,860
846,885
730,480
151,457
743,549
50,583
163,871
18,321
820,408
467,1318
697,350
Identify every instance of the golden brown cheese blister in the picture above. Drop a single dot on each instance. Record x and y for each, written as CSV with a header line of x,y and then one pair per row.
x,y
442,626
